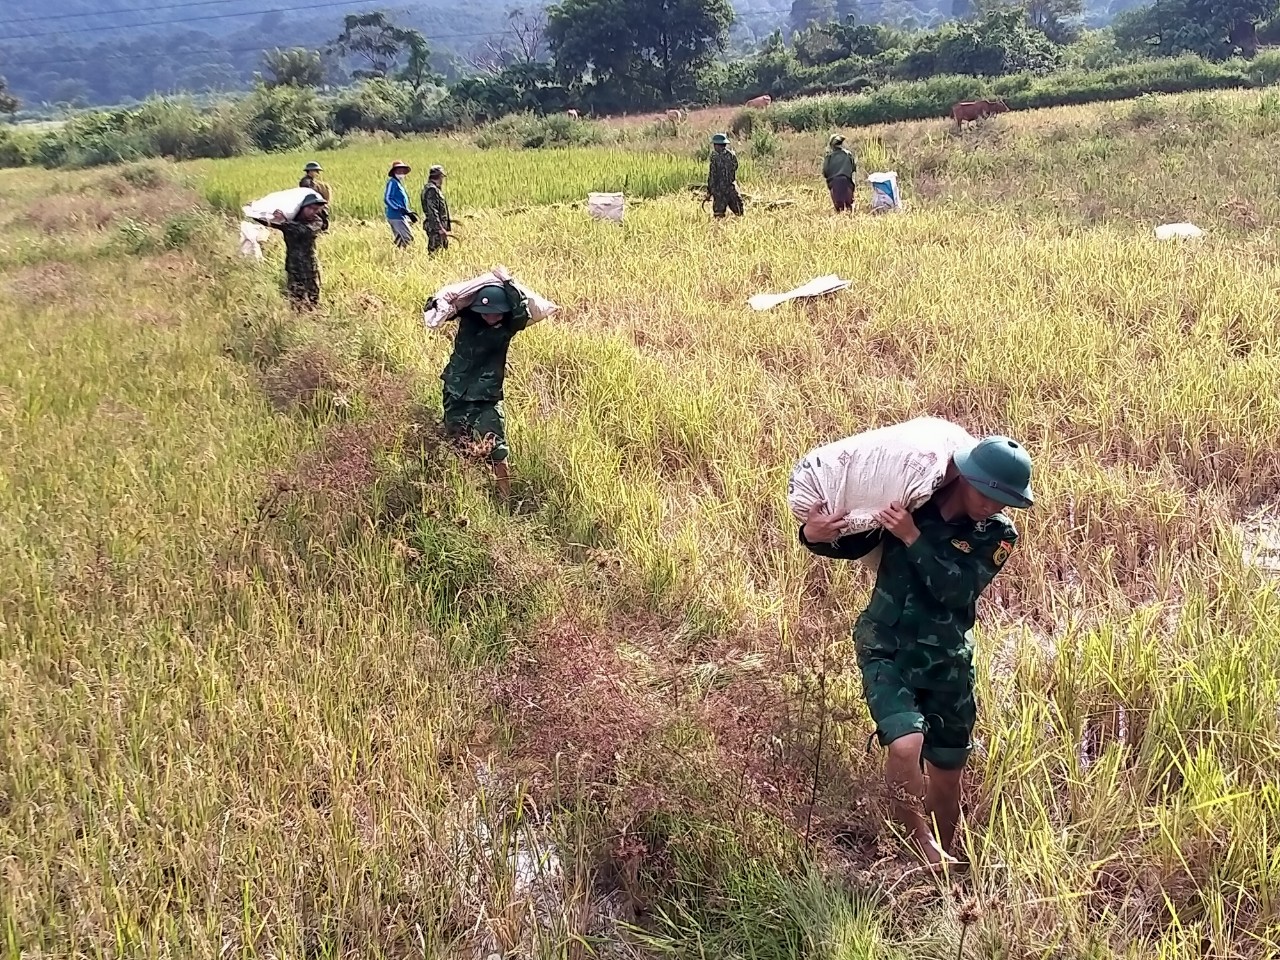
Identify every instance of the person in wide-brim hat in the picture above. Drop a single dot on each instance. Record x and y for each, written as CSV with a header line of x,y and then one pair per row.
x,y
311,180
914,641
395,197
436,221
722,179
838,169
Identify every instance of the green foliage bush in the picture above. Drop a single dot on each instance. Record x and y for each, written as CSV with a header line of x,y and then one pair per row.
x,y
528,131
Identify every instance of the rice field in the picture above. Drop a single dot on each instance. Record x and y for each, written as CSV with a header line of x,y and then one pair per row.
x,y
479,179
279,678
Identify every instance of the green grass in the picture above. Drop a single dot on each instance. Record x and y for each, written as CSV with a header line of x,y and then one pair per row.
x,y
277,677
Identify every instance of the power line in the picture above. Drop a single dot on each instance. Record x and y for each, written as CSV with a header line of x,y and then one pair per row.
x,y
150,8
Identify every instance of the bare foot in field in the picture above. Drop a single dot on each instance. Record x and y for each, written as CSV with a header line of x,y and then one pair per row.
x,y
935,858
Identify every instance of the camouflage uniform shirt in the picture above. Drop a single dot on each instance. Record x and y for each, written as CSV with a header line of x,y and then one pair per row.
x,y
435,209
310,182
723,173
478,366
924,604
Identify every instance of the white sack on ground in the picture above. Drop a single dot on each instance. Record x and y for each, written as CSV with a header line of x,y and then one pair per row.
x,y
860,475
885,195
448,301
286,201
606,206
819,287
1178,231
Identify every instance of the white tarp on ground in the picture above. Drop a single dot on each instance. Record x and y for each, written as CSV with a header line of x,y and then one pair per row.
x,y
1178,231
819,287
606,206
449,300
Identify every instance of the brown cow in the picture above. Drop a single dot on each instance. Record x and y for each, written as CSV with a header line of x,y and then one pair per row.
x,y
674,115
970,111
763,101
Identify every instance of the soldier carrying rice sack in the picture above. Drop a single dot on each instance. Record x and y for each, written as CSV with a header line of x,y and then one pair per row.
x,y
914,641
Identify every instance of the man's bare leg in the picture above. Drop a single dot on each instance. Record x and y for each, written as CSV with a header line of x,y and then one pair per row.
x,y
906,783
942,803
503,477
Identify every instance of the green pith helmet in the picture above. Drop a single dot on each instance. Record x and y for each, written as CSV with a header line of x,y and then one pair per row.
x,y
313,167
436,172
313,200
720,139
1000,469
492,299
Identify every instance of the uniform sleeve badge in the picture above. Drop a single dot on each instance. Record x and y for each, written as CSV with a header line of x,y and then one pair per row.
x,y
1002,553
962,546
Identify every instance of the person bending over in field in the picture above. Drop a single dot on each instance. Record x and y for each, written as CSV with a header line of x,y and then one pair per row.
x,y
301,268
474,376
396,201
914,641
435,211
722,179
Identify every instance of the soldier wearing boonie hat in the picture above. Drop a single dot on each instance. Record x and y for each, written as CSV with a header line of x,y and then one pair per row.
x,y
435,211
722,179
477,370
914,641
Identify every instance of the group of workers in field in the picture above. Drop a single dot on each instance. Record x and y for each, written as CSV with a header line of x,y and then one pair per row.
x,y
914,640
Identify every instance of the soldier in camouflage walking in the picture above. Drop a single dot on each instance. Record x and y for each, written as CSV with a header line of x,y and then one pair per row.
x,y
477,369
435,211
914,641
722,179
301,268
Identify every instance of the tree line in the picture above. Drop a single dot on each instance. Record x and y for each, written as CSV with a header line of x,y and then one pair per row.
x,y
611,56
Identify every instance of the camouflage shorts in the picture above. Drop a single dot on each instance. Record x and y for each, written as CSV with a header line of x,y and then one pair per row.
x,y
477,420
943,710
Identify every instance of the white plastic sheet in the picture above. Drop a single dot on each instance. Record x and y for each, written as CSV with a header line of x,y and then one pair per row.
x,y
607,206
818,287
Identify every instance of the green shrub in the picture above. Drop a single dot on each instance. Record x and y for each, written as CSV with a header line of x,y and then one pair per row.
x,y
282,118
17,148
528,131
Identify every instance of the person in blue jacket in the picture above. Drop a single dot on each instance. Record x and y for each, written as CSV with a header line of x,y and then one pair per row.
x,y
396,199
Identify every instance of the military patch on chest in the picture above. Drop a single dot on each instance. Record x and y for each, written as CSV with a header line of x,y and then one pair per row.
x,y
962,546
1002,553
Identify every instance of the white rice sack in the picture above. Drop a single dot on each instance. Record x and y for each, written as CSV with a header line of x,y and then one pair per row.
x,y
606,206
286,201
252,236
449,301
861,475
885,196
